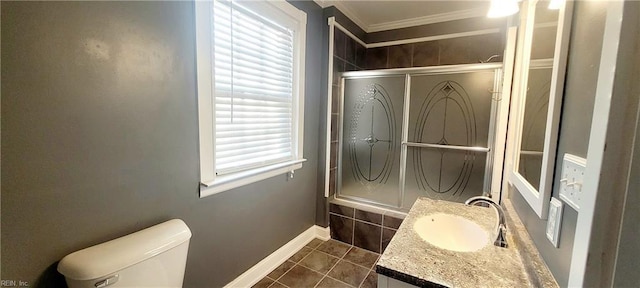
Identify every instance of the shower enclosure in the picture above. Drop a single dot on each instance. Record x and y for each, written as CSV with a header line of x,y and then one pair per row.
x,y
414,132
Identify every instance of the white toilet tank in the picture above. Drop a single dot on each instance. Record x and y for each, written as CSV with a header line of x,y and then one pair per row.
x,y
153,257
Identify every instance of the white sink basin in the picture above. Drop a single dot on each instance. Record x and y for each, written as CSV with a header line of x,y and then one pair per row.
x,y
451,232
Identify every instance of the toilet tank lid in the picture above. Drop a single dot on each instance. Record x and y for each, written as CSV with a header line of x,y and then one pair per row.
x,y
112,256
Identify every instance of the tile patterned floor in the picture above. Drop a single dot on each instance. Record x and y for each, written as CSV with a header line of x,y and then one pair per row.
x,y
325,264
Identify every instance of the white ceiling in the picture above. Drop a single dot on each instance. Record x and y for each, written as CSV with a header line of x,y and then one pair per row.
x,y
376,15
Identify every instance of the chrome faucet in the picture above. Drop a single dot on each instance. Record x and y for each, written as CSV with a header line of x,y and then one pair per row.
x,y
501,240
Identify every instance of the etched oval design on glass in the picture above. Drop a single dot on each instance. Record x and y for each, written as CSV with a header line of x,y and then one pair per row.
x,y
372,141
446,117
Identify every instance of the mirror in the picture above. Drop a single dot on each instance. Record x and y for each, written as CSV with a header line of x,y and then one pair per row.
x,y
538,85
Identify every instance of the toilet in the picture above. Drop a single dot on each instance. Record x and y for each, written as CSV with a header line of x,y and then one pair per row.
x,y
153,257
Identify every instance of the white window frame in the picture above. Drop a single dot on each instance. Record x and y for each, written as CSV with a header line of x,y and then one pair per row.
x,y
210,183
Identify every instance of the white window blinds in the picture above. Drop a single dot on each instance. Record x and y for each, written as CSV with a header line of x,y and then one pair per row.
x,y
253,87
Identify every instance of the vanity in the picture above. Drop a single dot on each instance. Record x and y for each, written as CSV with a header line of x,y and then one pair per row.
x,y
416,257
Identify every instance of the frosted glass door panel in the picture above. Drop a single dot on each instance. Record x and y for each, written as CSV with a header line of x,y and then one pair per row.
x,y
443,174
448,110
372,130
451,109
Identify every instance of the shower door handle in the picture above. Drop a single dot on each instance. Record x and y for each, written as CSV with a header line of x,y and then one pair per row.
x,y
451,147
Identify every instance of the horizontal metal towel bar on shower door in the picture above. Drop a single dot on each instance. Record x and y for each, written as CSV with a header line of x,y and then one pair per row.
x,y
452,147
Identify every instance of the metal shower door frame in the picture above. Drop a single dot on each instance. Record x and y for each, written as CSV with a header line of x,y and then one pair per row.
x,y
408,73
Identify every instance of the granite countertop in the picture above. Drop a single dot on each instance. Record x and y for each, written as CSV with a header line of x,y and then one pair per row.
x,y
410,259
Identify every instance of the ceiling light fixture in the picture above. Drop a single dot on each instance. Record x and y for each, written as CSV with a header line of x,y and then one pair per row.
x,y
502,8
555,4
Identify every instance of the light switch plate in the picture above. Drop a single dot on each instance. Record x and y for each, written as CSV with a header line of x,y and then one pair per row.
x,y
554,221
572,180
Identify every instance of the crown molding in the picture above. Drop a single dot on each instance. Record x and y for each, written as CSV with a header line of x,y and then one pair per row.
x,y
430,19
404,23
345,10
323,3
432,38
351,15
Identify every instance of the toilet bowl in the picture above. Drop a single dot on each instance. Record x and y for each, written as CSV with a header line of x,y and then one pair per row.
x,y
153,257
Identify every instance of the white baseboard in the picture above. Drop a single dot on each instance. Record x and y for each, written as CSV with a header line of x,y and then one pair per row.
x,y
322,233
271,262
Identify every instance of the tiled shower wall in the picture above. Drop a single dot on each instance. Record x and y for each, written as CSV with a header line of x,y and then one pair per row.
x,y
348,55
463,50
367,230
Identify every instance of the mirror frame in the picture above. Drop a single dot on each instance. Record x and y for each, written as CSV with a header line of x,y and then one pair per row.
x,y
537,197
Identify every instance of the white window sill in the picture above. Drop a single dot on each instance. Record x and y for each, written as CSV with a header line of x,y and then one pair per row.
x,y
230,181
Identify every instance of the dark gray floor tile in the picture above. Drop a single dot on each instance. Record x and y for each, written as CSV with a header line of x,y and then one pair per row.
x,y
349,273
300,254
371,281
277,285
341,228
319,261
369,216
329,282
367,236
264,283
361,257
314,243
300,276
335,248
283,268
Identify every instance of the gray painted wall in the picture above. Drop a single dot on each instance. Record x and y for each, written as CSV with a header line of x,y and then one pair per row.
x,y
619,176
100,140
577,110
628,251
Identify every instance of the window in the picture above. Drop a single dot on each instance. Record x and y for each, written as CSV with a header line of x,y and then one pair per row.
x,y
250,61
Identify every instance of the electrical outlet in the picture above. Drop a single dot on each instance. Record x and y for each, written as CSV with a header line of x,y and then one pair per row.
x,y
572,180
554,221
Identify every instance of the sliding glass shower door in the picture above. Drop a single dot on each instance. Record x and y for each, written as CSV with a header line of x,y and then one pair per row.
x,y
371,138
419,133
448,136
